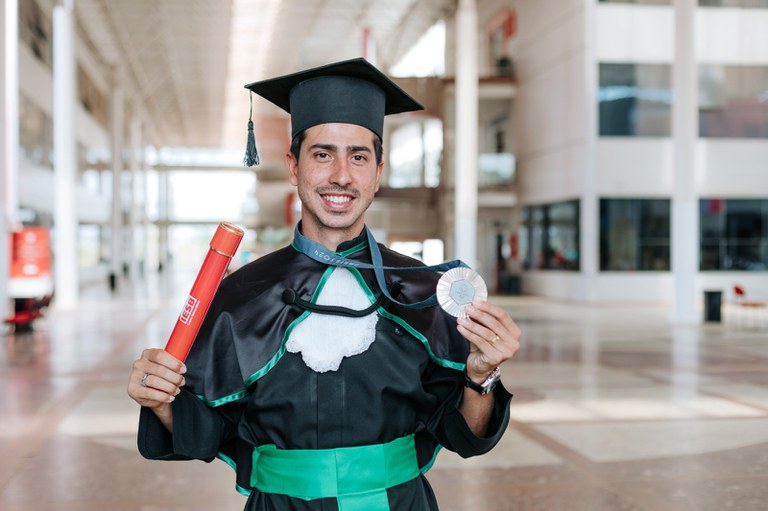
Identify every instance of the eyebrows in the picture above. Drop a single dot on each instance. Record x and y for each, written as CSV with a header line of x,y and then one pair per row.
x,y
334,148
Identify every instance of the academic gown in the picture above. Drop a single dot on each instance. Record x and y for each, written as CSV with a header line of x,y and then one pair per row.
x,y
243,389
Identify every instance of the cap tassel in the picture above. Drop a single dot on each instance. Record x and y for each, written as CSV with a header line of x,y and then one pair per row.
x,y
251,154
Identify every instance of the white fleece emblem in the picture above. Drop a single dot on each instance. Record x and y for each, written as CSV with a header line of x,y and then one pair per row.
x,y
324,339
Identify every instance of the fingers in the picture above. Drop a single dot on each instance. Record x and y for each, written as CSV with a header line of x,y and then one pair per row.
x,y
162,382
494,320
478,334
492,332
164,358
493,317
156,378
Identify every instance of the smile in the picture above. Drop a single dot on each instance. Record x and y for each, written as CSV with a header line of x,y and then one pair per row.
x,y
337,199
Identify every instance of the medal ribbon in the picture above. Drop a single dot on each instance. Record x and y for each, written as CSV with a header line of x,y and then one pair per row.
x,y
319,253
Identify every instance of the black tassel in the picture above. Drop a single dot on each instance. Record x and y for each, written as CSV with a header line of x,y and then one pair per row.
x,y
251,154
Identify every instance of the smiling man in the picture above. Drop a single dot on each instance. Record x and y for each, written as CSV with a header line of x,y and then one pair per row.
x,y
336,173
323,386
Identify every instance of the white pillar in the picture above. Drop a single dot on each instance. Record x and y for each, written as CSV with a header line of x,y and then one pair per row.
x,y
685,223
465,142
65,157
369,45
134,215
9,138
162,230
589,214
117,123
11,107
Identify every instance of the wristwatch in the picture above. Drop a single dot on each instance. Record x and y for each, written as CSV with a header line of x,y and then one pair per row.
x,y
487,386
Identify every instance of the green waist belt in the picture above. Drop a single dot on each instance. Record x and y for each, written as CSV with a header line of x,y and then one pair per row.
x,y
358,477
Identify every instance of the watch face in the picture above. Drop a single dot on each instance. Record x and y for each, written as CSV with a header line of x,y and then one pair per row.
x,y
490,383
492,378
459,287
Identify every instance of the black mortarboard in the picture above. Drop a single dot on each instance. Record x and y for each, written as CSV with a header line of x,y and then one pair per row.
x,y
351,92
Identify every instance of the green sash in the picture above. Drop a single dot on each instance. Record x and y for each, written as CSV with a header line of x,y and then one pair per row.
x,y
357,476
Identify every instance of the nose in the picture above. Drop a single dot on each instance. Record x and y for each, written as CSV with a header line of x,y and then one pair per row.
x,y
341,175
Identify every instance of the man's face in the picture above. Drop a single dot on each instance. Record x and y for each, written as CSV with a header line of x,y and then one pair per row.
x,y
336,177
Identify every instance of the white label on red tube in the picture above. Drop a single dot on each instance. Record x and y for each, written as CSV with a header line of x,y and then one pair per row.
x,y
188,312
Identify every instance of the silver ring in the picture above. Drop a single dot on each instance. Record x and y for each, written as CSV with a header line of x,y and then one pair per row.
x,y
143,381
492,341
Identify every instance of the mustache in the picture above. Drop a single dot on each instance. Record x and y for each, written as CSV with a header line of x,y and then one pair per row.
x,y
329,190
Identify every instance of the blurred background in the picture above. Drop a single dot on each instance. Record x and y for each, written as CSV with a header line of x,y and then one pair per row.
x,y
620,145
602,164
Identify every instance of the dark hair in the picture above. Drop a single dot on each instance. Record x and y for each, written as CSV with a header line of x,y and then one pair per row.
x,y
378,148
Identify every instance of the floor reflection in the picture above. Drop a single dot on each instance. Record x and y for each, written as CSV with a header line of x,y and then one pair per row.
x,y
614,409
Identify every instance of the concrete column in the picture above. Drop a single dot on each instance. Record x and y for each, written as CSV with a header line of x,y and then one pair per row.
x,y
11,111
589,214
65,273
162,230
466,140
685,222
369,45
135,211
117,123
9,139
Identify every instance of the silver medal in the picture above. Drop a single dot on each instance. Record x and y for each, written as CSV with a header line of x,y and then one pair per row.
x,y
459,287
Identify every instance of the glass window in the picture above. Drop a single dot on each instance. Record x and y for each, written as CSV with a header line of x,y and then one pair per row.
x,y
734,3
89,245
91,98
199,196
634,234
733,101
635,100
429,251
495,169
426,57
645,2
524,237
733,234
414,159
35,133
35,31
550,236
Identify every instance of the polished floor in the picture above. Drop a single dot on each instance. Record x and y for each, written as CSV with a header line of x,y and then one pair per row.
x,y
615,410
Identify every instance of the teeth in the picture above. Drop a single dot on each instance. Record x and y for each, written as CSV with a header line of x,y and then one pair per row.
x,y
337,199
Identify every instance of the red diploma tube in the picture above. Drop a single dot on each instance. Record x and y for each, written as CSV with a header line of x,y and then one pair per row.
x,y
223,246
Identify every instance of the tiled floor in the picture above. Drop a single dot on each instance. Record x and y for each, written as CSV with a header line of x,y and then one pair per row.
x,y
614,409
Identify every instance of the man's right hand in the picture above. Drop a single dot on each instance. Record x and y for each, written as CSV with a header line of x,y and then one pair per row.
x,y
156,379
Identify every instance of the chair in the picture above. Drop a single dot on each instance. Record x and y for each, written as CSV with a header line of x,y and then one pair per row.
x,y
753,309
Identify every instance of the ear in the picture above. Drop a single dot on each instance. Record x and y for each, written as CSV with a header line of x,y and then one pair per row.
x,y
293,168
379,169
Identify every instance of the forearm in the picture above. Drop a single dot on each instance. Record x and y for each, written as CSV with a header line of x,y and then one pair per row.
x,y
198,430
165,415
477,411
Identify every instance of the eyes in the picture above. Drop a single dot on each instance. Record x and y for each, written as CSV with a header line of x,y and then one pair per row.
x,y
356,158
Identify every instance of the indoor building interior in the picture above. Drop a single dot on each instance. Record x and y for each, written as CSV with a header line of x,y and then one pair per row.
x,y
615,203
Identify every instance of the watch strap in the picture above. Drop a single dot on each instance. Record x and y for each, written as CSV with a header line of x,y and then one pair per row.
x,y
487,386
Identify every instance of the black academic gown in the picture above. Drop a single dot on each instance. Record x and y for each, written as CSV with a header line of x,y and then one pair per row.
x,y
244,389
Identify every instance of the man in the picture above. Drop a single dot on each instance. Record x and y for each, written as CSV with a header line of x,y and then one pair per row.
x,y
322,386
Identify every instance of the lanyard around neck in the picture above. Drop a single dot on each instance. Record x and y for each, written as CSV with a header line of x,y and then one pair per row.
x,y
319,253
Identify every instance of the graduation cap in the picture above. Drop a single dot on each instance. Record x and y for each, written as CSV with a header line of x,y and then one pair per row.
x,y
351,92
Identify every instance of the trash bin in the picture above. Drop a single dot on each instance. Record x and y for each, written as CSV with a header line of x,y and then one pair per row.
x,y
509,284
713,301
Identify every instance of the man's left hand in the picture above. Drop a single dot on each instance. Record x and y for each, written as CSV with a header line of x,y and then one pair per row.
x,y
493,336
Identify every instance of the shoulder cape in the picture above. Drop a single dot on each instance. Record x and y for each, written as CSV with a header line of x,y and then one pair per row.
x,y
245,330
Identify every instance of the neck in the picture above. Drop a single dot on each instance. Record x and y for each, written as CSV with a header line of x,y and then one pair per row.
x,y
330,238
